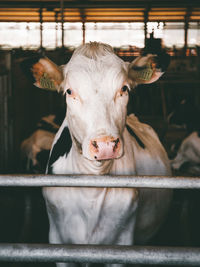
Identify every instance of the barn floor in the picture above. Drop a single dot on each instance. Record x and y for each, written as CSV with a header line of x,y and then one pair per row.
x,y
181,227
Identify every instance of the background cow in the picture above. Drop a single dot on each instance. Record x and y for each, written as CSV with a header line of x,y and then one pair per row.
x,y
185,154
97,137
35,149
187,150
187,158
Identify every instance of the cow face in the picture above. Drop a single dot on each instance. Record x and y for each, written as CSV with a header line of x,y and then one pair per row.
x,y
96,94
96,83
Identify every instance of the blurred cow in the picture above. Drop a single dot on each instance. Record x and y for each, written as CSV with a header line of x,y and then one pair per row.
x,y
186,162
187,151
187,158
35,149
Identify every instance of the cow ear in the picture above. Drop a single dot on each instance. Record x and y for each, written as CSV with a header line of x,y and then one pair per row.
x,y
148,68
44,73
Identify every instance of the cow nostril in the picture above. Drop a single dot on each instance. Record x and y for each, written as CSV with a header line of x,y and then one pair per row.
x,y
116,141
94,143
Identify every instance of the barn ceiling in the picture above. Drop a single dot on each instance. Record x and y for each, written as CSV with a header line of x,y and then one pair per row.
x,y
100,11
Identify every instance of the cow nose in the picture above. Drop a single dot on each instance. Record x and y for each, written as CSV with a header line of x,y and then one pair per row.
x,y
105,148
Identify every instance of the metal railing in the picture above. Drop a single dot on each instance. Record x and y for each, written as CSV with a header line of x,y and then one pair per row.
x,y
184,256
6,121
120,181
100,254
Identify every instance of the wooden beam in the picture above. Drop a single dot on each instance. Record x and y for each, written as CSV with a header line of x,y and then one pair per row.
x,y
93,3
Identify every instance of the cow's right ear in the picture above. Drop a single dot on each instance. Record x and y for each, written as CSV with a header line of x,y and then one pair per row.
x,y
44,73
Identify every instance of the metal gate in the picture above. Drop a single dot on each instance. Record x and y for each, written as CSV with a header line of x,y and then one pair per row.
x,y
6,122
184,256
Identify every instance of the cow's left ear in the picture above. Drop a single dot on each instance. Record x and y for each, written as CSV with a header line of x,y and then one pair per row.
x,y
148,68
44,73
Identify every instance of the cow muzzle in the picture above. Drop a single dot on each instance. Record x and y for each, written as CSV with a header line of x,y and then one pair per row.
x,y
106,147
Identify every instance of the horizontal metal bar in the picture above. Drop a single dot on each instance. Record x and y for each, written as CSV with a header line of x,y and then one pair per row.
x,y
100,254
101,181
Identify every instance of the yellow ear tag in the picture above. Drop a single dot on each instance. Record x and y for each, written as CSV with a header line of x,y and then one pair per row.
x,y
46,82
146,73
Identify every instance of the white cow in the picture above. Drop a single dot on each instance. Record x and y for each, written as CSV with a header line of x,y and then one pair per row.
x,y
40,140
186,115
188,153
35,149
98,138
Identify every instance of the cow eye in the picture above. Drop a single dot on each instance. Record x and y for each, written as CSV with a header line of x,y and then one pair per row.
x,y
69,91
72,94
124,89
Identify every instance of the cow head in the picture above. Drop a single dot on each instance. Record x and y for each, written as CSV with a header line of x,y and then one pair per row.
x,y
96,83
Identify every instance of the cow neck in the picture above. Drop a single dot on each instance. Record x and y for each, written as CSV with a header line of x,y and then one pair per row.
x,y
86,166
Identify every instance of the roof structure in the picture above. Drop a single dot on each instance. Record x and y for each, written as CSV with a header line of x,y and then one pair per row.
x,y
100,11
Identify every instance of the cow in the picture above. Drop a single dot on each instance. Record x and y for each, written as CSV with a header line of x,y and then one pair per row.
x,y
35,149
187,150
186,162
188,155
97,138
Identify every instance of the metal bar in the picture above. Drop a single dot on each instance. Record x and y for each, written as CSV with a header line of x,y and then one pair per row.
x,y
163,99
83,31
6,121
41,27
2,121
100,254
82,13
56,28
146,16
101,181
62,22
186,27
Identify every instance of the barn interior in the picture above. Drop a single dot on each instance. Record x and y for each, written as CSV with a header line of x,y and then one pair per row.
x,y
54,29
